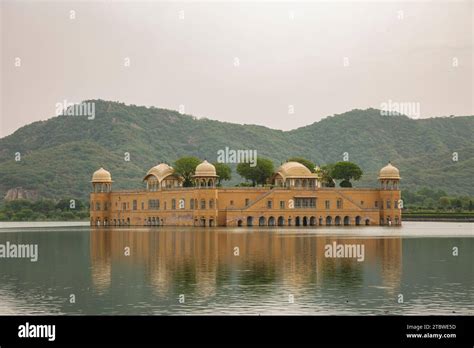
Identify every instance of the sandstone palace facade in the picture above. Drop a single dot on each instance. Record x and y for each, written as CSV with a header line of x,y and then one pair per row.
x,y
295,198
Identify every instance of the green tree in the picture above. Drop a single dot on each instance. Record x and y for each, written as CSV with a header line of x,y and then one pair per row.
x,y
259,174
456,203
67,215
24,214
346,171
185,166
18,204
444,202
345,183
65,204
224,172
44,206
325,175
307,163
429,203
465,202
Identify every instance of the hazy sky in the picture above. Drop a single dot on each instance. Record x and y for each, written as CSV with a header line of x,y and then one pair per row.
x,y
243,62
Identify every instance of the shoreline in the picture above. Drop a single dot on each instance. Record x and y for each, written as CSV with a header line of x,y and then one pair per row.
x,y
437,219
43,223
408,229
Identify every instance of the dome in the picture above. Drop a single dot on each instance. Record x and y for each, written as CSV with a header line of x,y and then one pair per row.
x,y
101,175
205,169
294,169
160,171
389,172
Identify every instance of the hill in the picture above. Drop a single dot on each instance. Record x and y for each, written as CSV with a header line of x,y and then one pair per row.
x,y
59,155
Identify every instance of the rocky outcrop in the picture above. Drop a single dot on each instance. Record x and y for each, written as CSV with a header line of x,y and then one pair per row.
x,y
20,193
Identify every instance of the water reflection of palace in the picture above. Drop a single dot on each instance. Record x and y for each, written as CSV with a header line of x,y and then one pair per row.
x,y
204,258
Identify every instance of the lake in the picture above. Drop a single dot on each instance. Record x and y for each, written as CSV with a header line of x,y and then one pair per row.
x,y
420,268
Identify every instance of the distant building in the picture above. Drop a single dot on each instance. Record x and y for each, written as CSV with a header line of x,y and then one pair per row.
x,y
296,198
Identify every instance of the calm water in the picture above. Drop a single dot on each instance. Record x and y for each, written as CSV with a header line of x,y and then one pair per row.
x,y
273,267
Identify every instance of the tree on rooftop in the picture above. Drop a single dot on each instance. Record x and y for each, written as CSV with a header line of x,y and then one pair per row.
x,y
346,171
185,166
223,171
259,174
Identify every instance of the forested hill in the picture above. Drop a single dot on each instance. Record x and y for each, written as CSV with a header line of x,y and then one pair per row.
x,y
59,155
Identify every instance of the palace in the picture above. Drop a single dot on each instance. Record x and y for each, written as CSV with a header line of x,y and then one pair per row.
x,y
295,198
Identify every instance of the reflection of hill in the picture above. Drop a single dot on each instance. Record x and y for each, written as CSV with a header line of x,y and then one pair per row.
x,y
197,260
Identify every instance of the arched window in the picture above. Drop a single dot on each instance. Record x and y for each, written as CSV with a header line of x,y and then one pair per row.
x,y
357,220
192,204
203,204
211,204
271,221
346,221
281,221
173,204
328,220
249,221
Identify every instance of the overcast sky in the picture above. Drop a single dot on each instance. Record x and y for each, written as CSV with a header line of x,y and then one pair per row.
x,y
247,62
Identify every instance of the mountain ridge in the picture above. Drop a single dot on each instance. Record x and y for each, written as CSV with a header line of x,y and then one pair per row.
x,y
64,147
